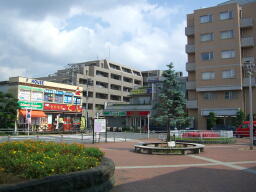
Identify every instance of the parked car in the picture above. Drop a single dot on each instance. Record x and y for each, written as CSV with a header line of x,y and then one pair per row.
x,y
244,129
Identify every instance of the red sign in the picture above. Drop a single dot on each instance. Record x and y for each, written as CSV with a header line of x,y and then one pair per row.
x,y
62,107
137,113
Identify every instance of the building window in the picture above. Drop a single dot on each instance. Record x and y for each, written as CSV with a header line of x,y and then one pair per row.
x,y
48,97
205,18
58,98
231,95
77,100
208,75
207,56
209,96
227,34
228,74
227,54
206,37
226,15
67,99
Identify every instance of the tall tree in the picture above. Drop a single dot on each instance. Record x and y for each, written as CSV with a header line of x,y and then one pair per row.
x,y
170,109
8,110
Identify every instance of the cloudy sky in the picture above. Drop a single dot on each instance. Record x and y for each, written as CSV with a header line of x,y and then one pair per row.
x,y
38,37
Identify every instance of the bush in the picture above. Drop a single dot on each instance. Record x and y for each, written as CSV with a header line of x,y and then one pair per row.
x,y
37,159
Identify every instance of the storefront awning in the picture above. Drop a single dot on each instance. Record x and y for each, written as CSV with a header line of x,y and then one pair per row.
x,y
34,113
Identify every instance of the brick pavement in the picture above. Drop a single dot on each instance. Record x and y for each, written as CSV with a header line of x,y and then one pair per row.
x,y
220,168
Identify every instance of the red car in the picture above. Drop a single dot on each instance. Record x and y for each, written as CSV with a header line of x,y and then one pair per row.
x,y
244,129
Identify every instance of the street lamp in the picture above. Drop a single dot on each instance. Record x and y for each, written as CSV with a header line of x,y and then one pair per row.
x,y
250,67
88,82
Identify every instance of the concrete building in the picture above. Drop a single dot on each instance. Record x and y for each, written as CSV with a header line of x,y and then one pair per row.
x,y
136,114
53,106
104,80
220,40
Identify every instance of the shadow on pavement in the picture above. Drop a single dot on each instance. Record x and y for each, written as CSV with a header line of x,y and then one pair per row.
x,y
194,180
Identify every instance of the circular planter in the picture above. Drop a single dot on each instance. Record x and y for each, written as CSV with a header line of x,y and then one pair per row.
x,y
97,179
162,148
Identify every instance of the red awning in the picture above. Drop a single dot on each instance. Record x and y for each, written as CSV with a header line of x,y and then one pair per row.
x,y
34,113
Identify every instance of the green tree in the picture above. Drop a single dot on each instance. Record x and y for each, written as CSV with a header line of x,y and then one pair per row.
x,y
240,118
8,110
211,120
171,105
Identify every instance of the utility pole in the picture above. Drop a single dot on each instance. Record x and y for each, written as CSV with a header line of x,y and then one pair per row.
x,y
250,67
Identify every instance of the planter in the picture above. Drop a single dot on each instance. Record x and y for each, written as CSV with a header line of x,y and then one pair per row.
x,y
97,179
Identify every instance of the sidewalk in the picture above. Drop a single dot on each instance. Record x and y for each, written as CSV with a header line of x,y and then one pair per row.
x,y
220,168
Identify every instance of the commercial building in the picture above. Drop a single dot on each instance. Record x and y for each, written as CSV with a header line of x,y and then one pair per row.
x,y
102,80
52,106
137,113
220,41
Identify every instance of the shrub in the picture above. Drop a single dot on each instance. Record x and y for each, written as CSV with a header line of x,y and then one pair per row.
x,y
37,159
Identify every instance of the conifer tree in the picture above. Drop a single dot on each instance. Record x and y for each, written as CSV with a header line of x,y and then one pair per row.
x,y
170,109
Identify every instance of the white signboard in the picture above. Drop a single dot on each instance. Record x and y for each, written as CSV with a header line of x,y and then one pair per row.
x,y
99,125
24,95
37,96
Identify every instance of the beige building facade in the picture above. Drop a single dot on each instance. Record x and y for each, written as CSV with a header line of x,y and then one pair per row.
x,y
220,41
104,81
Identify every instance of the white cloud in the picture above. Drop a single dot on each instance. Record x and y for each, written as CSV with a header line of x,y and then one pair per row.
x,y
134,35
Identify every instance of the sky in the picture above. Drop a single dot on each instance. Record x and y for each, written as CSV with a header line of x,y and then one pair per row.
x,y
38,37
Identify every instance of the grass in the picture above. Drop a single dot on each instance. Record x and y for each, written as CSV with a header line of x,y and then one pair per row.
x,y
37,159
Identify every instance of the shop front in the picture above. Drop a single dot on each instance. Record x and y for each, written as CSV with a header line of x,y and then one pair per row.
x,y
63,117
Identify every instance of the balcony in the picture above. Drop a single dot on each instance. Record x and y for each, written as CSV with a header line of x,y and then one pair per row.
x,y
190,48
246,22
248,60
190,85
190,66
191,104
247,42
246,81
189,31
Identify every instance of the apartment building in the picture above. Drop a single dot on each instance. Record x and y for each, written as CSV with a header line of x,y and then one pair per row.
x,y
104,81
220,41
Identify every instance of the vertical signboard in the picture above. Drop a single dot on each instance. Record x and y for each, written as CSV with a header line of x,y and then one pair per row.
x,y
99,125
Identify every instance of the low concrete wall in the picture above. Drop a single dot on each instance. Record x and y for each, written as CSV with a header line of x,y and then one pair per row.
x,y
98,179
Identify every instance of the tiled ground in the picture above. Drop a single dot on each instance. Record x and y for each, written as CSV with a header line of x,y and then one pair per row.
x,y
220,168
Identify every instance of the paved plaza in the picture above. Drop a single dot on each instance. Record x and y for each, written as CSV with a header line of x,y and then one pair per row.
x,y
220,168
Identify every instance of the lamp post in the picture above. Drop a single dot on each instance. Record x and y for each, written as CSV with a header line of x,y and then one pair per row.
x,y
88,82
250,67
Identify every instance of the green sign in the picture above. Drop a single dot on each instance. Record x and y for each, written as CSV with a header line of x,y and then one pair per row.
x,y
114,113
31,88
30,105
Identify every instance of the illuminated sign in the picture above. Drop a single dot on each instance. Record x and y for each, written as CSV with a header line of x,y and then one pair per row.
x,y
30,105
114,113
137,113
62,107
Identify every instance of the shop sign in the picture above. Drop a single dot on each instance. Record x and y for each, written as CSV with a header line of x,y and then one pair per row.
x,y
37,82
114,113
37,96
143,90
62,107
99,125
24,95
137,113
30,88
30,105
